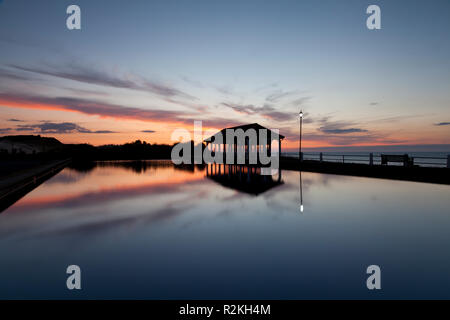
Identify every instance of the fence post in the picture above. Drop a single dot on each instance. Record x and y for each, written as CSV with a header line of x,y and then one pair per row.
x,y
321,157
343,159
371,159
448,161
301,156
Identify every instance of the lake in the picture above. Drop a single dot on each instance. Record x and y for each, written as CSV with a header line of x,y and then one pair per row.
x,y
151,230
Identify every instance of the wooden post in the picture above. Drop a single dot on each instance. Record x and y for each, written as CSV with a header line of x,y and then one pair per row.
x,y
448,161
371,159
321,157
343,159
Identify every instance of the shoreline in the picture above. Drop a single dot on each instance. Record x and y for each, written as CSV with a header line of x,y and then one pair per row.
x,y
15,185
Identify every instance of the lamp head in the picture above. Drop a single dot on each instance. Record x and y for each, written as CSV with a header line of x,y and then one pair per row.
x,y
301,114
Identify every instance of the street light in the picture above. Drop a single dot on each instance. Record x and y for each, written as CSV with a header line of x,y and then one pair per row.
x,y
300,141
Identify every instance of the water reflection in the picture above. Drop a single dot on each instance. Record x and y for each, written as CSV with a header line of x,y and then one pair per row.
x,y
246,179
182,232
301,191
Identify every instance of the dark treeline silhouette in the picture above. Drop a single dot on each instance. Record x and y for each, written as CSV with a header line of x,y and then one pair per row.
x,y
129,151
38,148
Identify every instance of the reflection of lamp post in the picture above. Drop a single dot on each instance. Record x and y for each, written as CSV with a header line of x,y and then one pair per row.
x,y
301,192
300,159
300,141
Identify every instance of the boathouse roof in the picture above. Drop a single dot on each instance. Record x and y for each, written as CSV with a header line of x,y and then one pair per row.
x,y
245,127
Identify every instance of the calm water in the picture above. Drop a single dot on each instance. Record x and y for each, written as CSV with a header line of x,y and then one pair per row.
x,y
149,230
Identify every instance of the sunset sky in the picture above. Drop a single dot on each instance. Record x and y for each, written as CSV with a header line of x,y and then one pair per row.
x,y
141,69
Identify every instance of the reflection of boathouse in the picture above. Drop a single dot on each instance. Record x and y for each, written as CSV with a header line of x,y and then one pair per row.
x,y
243,178
218,143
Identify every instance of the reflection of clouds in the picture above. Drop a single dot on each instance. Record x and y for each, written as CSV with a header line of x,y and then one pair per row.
x,y
94,219
104,225
169,210
66,176
185,199
97,197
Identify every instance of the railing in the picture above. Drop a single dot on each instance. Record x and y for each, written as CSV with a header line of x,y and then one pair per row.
x,y
370,159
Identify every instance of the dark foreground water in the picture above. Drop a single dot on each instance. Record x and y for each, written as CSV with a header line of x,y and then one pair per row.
x,y
148,230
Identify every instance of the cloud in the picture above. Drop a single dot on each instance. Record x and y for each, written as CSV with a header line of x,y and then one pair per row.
x,y
226,90
193,82
15,120
299,102
57,128
280,116
7,74
92,75
148,131
90,107
102,109
341,131
337,127
267,111
442,124
246,109
102,131
84,92
338,133
374,103
279,95
5,130
347,139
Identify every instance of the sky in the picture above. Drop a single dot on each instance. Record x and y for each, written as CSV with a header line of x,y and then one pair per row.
x,y
141,69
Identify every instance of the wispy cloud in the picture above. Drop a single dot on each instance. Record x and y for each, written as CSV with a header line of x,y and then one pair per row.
x,y
442,124
15,120
338,127
266,111
341,131
91,107
77,71
8,74
300,102
350,139
193,82
148,131
58,128
5,130
278,95
102,109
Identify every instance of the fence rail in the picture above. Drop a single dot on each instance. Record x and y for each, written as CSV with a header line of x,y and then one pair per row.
x,y
370,158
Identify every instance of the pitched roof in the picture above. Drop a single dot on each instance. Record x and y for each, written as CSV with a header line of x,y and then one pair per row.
x,y
245,127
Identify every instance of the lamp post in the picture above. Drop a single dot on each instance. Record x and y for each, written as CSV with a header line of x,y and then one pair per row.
x,y
300,141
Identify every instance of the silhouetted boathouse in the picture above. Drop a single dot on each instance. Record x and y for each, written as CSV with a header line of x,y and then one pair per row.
x,y
260,144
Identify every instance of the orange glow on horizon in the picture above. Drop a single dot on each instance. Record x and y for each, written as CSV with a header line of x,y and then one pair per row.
x,y
164,129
